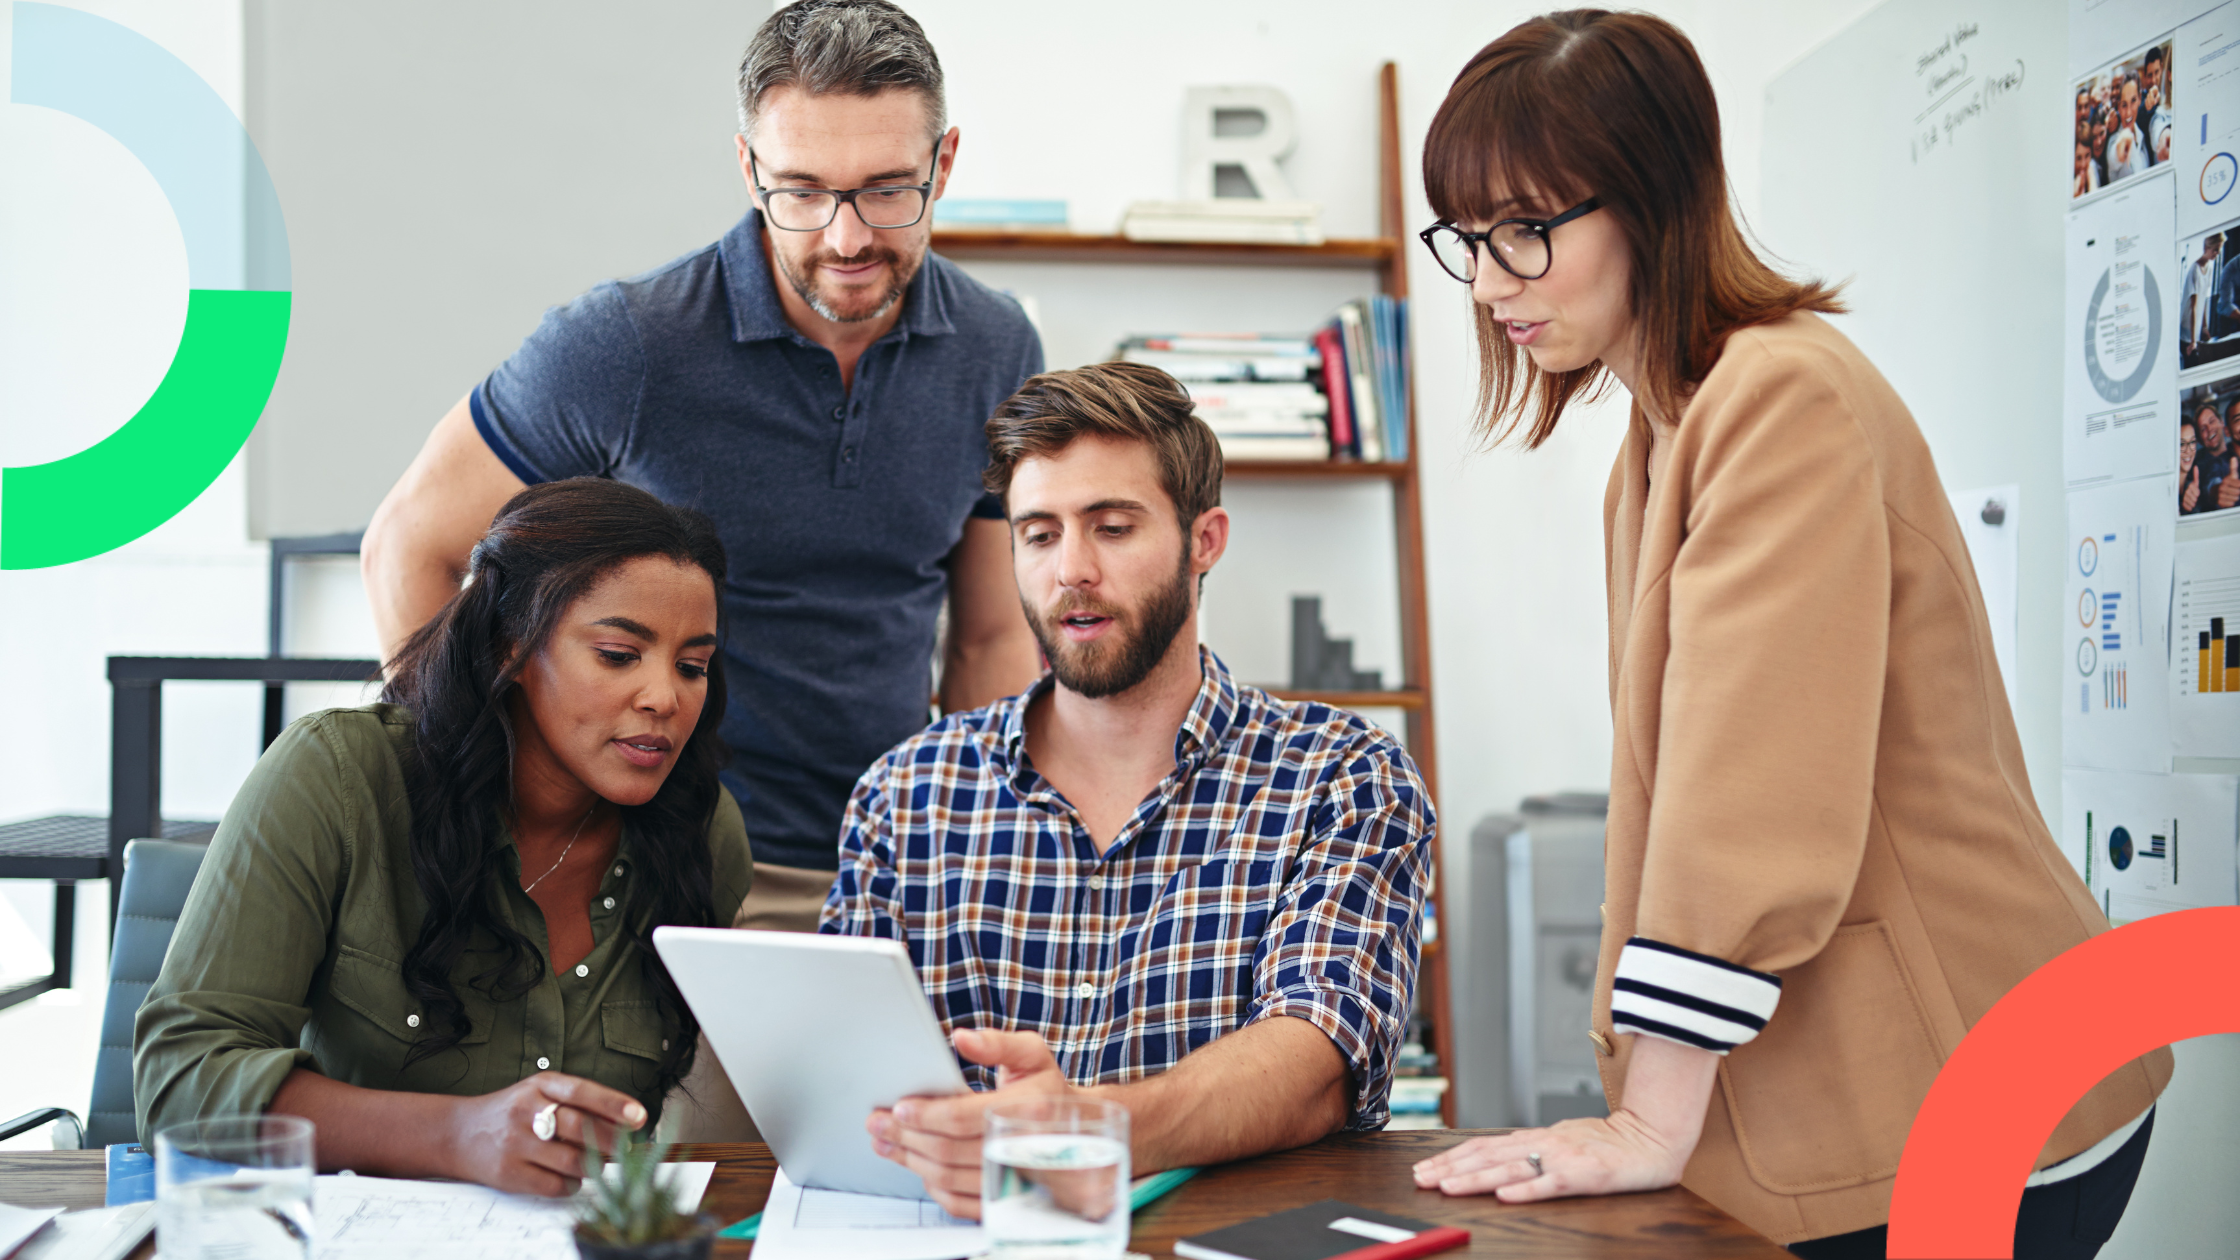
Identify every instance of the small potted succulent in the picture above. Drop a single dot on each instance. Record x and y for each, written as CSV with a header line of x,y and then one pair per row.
x,y
629,1214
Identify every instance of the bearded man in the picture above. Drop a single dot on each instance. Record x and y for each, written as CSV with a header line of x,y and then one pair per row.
x,y
816,382
1140,879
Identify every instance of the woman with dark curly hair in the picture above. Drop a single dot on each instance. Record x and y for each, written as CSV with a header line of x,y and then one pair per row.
x,y
425,924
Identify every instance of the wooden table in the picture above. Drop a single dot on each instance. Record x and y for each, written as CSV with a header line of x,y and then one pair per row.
x,y
1370,1169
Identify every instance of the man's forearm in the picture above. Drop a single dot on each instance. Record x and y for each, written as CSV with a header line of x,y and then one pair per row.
x,y
974,674
403,594
1277,1084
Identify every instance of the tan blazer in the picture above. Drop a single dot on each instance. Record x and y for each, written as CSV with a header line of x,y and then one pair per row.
x,y
1816,775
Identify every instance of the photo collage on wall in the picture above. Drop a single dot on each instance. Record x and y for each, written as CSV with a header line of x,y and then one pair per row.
x,y
2151,458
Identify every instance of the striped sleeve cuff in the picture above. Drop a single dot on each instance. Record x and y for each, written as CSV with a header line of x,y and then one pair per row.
x,y
1697,1000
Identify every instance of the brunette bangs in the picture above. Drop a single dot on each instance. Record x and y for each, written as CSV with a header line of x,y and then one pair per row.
x,y
1590,103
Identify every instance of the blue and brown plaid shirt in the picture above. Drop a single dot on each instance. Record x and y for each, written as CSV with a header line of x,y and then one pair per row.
x,y
1279,870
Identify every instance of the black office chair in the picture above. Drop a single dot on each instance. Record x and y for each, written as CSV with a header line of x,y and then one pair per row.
x,y
157,877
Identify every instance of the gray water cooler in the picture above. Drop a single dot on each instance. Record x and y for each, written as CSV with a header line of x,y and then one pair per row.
x,y
1523,970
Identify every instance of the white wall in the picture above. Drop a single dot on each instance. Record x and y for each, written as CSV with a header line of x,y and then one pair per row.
x,y
1089,110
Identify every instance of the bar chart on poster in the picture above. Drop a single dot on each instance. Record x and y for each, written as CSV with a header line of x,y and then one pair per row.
x,y
2205,665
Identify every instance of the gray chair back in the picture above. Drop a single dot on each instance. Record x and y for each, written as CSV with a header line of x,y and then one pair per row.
x,y
157,875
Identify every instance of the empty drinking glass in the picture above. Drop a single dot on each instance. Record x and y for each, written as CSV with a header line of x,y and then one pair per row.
x,y
1054,1179
234,1188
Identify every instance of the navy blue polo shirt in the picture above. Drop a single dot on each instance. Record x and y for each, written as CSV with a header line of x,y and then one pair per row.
x,y
838,508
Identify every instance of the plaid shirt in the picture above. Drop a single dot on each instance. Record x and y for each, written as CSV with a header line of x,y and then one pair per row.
x,y
1279,870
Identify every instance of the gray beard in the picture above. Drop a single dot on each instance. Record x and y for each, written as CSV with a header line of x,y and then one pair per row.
x,y
808,294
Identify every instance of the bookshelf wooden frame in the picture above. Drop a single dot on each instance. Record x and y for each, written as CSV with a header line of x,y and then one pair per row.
x,y
1388,255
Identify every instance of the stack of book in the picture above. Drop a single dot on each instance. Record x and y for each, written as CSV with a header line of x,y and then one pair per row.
x,y
1230,220
1364,353
1257,393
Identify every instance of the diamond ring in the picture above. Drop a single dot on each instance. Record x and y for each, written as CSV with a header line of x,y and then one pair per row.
x,y
547,1120
1533,1159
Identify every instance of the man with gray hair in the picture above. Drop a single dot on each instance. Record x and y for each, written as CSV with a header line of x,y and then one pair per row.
x,y
816,382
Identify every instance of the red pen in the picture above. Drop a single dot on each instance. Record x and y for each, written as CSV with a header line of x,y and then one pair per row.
x,y
1429,1242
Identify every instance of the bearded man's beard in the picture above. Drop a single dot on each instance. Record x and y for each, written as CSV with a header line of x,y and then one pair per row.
x,y
1126,654
800,275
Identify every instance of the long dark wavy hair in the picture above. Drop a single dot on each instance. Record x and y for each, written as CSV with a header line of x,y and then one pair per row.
x,y
548,546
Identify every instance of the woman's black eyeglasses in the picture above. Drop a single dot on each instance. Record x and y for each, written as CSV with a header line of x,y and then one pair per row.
x,y
1519,245
814,209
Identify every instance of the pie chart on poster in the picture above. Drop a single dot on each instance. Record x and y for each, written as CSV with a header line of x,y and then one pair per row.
x,y
168,452
2119,848
2217,177
2122,341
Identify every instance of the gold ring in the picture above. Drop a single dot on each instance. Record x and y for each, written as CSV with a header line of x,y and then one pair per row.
x,y
545,1122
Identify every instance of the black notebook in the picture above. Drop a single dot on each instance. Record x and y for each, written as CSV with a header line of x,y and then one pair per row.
x,y
1315,1232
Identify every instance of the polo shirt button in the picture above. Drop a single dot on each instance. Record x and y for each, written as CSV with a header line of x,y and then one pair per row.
x,y
609,903
618,870
1096,882
1084,990
543,1063
848,453
582,970
412,1021
839,413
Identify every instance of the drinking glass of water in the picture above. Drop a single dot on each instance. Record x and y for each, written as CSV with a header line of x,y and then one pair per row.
x,y
234,1188
1054,1179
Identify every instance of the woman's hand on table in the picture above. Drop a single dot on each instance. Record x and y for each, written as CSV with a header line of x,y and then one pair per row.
x,y
1643,1145
1597,1156
494,1139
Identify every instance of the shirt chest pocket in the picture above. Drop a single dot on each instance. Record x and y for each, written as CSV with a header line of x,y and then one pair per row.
x,y
367,1041
633,1045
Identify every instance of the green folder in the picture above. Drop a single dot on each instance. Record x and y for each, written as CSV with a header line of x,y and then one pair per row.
x,y
1142,1192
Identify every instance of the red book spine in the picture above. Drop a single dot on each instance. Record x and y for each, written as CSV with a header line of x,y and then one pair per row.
x,y
1429,1242
1337,386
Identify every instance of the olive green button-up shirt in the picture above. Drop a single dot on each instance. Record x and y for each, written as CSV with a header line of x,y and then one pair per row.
x,y
290,950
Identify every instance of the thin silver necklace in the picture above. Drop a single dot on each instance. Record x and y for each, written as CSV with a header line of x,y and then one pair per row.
x,y
532,884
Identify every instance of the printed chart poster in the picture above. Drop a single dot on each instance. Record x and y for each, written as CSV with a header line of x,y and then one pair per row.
x,y
1991,521
2205,141
2123,121
2120,346
2151,843
2115,710
2205,658
2209,446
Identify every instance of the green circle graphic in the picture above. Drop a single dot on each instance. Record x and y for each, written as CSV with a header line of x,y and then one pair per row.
x,y
238,301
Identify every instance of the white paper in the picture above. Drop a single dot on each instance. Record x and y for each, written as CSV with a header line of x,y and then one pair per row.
x,y
2205,134
2204,721
18,1224
809,1224
1991,522
2115,627
98,1234
2120,337
371,1218
2151,843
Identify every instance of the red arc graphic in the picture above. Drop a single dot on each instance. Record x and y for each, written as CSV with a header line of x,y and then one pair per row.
x,y
2034,1054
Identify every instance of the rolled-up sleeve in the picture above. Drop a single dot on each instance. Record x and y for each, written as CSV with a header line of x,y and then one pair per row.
x,y
1343,945
219,1030
1770,713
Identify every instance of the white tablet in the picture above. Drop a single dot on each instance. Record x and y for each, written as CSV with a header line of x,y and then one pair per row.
x,y
816,1032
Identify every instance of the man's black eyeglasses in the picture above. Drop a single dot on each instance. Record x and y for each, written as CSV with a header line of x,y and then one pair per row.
x,y
814,209
1519,245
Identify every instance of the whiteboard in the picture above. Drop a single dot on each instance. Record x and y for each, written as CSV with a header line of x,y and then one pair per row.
x,y
1917,155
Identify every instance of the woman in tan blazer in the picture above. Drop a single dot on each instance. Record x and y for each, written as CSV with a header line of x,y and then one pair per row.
x,y
1824,862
